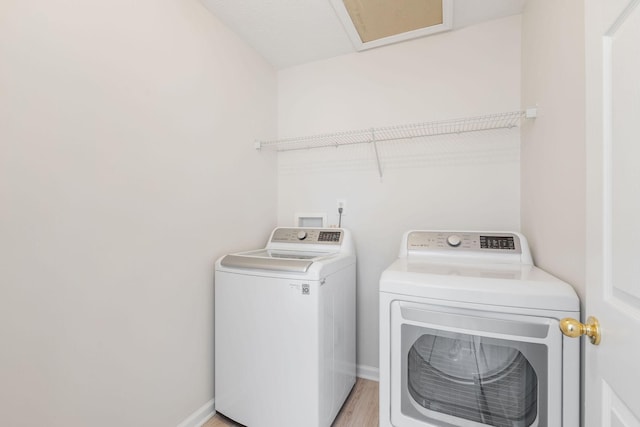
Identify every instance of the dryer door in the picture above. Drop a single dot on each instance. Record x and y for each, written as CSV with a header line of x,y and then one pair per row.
x,y
473,368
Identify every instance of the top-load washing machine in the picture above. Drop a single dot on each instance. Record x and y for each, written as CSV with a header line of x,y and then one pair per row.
x,y
469,335
285,329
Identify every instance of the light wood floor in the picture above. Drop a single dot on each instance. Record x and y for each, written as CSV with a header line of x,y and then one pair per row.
x,y
360,409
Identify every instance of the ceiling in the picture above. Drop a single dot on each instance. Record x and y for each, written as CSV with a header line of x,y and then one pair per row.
x,y
293,32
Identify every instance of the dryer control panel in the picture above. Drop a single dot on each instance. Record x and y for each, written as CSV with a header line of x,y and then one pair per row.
x,y
464,241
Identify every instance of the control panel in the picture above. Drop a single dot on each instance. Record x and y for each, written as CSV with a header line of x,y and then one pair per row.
x,y
463,241
308,235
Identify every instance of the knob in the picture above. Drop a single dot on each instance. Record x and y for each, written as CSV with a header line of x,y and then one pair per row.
x,y
454,240
574,329
302,235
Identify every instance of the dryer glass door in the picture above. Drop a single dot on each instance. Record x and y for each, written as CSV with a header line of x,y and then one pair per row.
x,y
471,368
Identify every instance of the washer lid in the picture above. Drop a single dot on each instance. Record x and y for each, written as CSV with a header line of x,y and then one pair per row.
x,y
274,260
509,285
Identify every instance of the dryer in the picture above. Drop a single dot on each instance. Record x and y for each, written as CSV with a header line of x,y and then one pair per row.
x,y
285,329
469,335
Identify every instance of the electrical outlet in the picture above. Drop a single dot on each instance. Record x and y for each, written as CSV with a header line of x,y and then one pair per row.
x,y
341,203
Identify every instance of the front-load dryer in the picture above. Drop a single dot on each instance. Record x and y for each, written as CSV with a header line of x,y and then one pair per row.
x,y
285,330
469,335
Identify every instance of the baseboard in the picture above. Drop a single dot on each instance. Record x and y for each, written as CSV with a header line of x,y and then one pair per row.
x,y
368,372
200,416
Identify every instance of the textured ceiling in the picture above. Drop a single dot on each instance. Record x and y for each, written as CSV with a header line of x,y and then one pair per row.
x,y
292,32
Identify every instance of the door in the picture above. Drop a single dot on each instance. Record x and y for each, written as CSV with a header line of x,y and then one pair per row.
x,y
612,375
464,367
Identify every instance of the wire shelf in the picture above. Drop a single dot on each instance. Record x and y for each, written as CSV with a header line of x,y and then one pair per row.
x,y
410,131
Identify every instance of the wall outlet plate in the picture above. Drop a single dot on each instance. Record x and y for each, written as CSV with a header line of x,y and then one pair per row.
x,y
341,203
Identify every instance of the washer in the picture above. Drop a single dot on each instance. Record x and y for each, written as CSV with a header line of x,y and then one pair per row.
x,y
469,335
285,329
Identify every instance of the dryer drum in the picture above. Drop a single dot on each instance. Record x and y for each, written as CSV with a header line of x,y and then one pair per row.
x,y
467,378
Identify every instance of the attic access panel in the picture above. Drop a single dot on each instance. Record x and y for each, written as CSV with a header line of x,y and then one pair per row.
x,y
374,23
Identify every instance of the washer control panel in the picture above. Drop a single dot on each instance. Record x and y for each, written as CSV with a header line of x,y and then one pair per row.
x,y
467,241
308,235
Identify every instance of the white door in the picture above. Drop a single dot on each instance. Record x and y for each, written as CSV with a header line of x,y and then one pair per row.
x,y
612,369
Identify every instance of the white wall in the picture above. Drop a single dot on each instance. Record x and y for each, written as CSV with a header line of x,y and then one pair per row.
x,y
126,167
553,147
457,182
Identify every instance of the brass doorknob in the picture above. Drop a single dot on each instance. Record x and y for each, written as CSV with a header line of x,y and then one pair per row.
x,y
574,329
